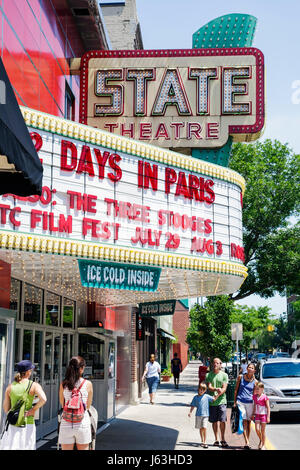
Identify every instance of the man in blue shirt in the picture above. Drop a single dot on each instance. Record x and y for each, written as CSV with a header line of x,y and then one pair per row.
x,y
201,402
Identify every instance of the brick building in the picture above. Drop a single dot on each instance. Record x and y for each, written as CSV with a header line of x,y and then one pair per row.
x,y
181,322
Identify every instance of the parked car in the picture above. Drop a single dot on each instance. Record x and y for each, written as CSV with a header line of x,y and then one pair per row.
x,y
258,357
281,354
281,378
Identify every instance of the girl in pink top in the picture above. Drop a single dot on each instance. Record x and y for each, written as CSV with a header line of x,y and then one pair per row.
x,y
261,413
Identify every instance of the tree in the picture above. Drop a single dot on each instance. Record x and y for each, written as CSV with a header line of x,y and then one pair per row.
x,y
255,322
284,333
209,331
271,245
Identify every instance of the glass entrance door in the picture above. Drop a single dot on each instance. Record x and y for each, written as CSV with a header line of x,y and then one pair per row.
x,y
111,396
7,333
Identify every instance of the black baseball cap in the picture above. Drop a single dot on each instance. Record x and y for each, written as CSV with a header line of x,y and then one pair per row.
x,y
25,365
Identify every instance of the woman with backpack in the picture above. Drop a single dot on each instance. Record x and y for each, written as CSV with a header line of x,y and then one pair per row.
x,y
18,407
75,396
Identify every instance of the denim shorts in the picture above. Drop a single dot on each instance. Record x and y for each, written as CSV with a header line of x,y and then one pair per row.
x,y
152,384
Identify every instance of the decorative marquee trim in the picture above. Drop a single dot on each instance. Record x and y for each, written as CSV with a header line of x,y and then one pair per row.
x,y
58,246
74,130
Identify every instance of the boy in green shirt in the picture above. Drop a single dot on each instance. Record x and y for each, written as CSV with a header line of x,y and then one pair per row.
x,y
217,381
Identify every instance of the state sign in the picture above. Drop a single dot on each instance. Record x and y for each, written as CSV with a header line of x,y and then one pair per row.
x,y
175,98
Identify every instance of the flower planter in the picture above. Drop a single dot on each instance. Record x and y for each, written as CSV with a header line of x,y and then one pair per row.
x,y
165,378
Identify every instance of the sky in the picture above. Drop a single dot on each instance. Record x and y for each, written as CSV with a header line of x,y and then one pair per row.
x,y
170,24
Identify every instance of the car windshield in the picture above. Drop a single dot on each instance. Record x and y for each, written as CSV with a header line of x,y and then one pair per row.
x,y
281,369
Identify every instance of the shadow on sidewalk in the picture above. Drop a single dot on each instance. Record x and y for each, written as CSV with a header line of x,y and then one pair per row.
x,y
125,434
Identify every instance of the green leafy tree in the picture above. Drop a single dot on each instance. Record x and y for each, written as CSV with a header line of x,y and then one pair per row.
x,y
255,322
271,245
209,331
284,333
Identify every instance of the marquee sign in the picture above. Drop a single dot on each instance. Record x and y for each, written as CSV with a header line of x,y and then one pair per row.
x,y
175,98
113,199
100,274
156,309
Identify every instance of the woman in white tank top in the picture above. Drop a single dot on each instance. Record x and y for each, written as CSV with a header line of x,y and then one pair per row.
x,y
79,433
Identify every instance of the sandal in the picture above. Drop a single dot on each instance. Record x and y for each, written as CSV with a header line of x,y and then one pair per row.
x,y
224,444
205,446
216,443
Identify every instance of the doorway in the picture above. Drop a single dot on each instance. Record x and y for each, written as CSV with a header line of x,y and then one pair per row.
x,y
7,334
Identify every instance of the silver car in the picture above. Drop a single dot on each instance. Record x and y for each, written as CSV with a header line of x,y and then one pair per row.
x,y
281,378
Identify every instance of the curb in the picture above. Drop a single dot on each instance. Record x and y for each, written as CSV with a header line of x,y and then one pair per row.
x,y
268,444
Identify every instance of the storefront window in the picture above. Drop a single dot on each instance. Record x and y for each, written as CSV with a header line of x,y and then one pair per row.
x,y
56,356
111,360
48,373
38,348
17,344
27,344
48,356
32,304
65,355
15,295
52,309
68,313
92,350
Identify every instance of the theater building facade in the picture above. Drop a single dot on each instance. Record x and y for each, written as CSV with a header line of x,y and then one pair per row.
x,y
127,217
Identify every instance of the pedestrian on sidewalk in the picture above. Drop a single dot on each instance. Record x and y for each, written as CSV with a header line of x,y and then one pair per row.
x,y
243,368
201,402
151,374
176,367
243,398
202,371
78,433
217,381
261,413
23,435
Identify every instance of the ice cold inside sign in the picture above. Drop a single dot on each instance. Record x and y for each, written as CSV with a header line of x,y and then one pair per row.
x,y
103,275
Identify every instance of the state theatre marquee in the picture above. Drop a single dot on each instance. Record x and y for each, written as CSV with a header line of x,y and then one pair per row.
x,y
175,98
110,198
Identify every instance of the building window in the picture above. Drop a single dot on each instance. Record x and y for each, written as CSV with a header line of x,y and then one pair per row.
x,y
52,309
15,295
92,350
69,104
68,313
32,304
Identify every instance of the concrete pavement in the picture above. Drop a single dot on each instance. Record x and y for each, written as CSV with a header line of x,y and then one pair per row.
x,y
164,425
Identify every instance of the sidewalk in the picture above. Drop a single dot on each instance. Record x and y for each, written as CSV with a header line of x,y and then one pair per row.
x,y
165,425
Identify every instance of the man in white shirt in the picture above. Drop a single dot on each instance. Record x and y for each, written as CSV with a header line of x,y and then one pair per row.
x,y
151,373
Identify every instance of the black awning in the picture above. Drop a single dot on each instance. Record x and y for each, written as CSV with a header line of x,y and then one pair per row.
x,y
21,172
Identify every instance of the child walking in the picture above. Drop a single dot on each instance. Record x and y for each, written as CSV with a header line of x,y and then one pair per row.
x,y
261,413
201,402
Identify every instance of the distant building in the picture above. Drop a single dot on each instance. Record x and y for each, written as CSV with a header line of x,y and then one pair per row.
x,y
181,323
122,24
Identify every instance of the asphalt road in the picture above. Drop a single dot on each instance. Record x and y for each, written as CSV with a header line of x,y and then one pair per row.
x,y
284,430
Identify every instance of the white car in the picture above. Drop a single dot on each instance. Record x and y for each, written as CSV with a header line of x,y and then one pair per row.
x,y
281,378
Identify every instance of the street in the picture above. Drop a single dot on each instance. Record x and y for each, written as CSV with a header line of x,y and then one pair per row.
x,y
284,430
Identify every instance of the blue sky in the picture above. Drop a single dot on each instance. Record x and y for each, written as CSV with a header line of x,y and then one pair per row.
x,y
170,24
